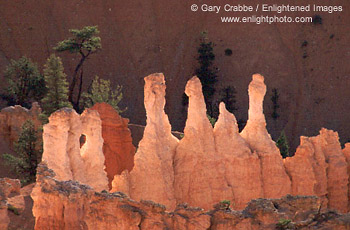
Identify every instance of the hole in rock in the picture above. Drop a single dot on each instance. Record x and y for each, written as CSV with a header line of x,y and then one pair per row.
x,y
82,140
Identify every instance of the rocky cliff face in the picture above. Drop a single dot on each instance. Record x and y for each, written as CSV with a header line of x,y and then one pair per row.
x,y
12,119
71,205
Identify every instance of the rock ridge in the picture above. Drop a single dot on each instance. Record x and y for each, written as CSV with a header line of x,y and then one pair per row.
x,y
71,205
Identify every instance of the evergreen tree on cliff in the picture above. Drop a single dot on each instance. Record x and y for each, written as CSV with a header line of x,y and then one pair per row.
x,y
29,153
84,42
57,86
228,96
206,72
282,144
25,84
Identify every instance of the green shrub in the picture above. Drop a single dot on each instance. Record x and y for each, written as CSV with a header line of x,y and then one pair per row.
x,y
212,120
13,209
101,91
283,224
226,202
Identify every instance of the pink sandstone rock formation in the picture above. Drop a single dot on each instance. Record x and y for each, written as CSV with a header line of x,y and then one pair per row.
x,y
346,152
242,167
91,152
207,166
13,117
69,205
217,164
200,178
152,177
301,168
337,174
117,146
276,182
320,168
62,147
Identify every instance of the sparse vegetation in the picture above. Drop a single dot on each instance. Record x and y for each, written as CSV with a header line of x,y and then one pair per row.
x,y
282,144
207,73
212,120
283,224
228,96
25,84
304,44
274,99
223,205
84,42
13,209
29,153
101,91
226,202
228,52
317,19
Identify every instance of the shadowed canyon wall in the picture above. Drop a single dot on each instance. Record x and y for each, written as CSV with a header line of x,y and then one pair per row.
x,y
312,79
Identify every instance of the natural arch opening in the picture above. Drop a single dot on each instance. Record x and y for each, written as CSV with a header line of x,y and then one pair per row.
x,y
82,140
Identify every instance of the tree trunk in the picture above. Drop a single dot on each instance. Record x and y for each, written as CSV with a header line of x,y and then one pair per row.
x,y
80,89
73,83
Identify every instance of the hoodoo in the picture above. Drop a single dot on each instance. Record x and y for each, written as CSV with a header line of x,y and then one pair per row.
x,y
152,177
276,182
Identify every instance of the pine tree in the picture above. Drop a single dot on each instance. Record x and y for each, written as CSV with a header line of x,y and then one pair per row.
x,y
29,153
84,42
274,98
101,91
228,96
206,72
282,144
57,86
25,84
212,120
